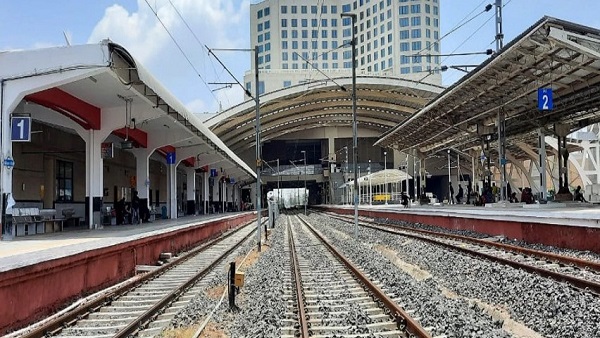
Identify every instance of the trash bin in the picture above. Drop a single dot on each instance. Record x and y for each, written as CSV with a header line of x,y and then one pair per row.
x,y
164,212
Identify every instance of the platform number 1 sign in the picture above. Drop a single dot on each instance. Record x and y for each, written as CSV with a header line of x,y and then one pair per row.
x,y
545,101
20,129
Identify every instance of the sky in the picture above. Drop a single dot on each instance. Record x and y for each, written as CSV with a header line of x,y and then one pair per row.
x,y
29,24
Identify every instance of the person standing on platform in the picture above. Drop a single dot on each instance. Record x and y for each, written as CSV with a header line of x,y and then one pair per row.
x,y
469,192
451,198
135,208
459,196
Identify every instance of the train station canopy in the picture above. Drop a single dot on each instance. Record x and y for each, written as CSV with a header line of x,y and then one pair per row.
x,y
553,54
383,102
381,177
103,88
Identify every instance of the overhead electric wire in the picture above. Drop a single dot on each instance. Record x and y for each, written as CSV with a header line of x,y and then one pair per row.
x,y
180,49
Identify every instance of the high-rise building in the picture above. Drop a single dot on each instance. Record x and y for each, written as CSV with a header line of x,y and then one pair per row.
x,y
394,38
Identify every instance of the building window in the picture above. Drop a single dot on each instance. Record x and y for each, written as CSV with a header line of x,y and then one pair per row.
x,y
267,24
404,60
259,14
403,22
260,27
403,10
333,9
284,56
283,22
313,9
305,34
414,21
304,9
416,45
415,33
294,9
294,22
267,11
284,34
284,45
260,38
405,70
404,47
287,84
416,9
283,9
64,181
261,87
304,22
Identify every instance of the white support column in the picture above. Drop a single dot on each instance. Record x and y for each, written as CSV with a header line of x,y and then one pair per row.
x,y
542,153
7,175
205,191
94,176
142,172
191,190
172,190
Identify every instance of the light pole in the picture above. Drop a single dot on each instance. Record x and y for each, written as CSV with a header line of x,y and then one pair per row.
x,y
354,124
385,176
258,154
305,195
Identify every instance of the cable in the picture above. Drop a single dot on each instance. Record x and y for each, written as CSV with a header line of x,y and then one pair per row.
x,y
199,42
180,49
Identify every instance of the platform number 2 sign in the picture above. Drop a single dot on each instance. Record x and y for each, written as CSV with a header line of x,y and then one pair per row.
x,y
20,129
545,101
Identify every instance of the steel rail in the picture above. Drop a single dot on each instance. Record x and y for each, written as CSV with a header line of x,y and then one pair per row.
x,y
582,263
412,326
145,318
575,281
54,326
304,332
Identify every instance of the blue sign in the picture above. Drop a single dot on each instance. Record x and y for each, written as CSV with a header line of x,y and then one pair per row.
x,y
545,101
171,158
20,127
214,173
9,162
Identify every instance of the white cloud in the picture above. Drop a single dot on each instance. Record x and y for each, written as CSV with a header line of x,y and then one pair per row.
x,y
216,23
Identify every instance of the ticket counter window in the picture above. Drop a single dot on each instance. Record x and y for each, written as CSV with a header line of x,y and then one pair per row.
x,y
64,181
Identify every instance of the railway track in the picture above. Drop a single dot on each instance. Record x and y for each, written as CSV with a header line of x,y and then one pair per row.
x,y
146,306
580,273
327,296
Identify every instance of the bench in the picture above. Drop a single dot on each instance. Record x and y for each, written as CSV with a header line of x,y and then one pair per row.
x,y
31,221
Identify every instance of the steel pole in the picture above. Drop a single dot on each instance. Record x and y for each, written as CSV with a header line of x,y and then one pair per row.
x,y
354,123
385,176
258,155
305,194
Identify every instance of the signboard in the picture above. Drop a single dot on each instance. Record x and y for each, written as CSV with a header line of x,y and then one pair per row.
x,y
9,162
545,101
214,173
20,129
107,150
482,157
170,158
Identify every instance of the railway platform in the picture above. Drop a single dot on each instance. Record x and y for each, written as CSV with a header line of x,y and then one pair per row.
x,y
567,225
51,269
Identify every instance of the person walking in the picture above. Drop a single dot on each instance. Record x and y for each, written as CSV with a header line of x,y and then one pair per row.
x,y
451,198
